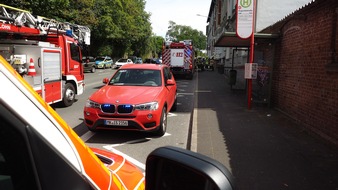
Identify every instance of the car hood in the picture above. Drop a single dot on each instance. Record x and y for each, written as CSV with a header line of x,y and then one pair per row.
x,y
128,174
126,94
99,62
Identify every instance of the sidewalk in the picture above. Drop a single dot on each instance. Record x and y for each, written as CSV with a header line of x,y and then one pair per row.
x,y
263,149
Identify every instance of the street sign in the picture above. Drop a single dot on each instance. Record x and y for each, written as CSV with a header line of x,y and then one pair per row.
x,y
250,71
245,18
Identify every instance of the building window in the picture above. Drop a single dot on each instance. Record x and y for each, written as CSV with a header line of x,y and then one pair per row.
x,y
219,13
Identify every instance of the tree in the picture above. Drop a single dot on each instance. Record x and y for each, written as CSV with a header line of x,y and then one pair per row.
x,y
123,25
140,29
180,32
118,27
48,9
157,43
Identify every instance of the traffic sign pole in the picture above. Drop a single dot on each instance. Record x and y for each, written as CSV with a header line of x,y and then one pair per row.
x,y
252,45
245,27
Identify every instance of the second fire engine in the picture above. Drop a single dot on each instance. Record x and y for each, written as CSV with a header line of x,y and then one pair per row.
x,y
45,52
180,57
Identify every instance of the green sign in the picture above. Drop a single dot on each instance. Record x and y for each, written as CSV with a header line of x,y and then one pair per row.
x,y
245,3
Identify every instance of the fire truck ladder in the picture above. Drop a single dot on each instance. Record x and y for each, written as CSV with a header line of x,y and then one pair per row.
x,y
22,18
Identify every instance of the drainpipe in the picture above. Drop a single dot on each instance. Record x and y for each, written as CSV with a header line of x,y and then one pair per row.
x,y
333,66
334,38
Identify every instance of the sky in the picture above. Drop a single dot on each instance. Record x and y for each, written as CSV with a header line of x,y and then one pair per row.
x,y
182,12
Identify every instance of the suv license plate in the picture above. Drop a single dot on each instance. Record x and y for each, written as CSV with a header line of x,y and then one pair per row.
x,y
116,122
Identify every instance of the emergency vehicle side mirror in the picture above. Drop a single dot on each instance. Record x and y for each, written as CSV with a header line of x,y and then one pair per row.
x,y
176,168
105,80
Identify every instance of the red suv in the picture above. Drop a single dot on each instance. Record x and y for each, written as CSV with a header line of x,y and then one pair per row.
x,y
136,97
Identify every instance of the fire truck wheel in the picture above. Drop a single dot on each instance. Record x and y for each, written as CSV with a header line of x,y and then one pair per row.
x,y
163,123
68,95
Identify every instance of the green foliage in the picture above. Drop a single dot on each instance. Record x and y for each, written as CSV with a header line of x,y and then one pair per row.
x,y
119,28
122,24
155,46
105,50
180,32
158,44
46,8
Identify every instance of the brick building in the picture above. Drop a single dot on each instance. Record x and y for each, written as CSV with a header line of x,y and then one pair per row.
x,y
305,70
297,57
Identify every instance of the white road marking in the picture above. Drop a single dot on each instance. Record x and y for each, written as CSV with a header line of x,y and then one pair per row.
x,y
111,148
90,134
185,93
171,114
130,159
134,141
193,145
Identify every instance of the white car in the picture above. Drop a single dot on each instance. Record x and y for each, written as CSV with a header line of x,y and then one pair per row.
x,y
121,62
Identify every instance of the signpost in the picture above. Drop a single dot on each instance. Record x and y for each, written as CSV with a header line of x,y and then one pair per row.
x,y
245,12
245,17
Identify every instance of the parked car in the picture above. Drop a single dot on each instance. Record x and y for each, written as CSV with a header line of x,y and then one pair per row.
x,y
152,60
136,97
121,62
103,62
138,60
38,150
132,58
89,64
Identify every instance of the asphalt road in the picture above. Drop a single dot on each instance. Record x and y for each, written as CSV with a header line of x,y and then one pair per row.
x,y
135,146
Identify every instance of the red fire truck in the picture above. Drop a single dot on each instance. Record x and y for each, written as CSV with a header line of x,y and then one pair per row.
x,y
45,52
180,57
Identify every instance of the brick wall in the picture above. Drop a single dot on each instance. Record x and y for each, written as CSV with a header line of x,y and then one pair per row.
x,y
302,86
